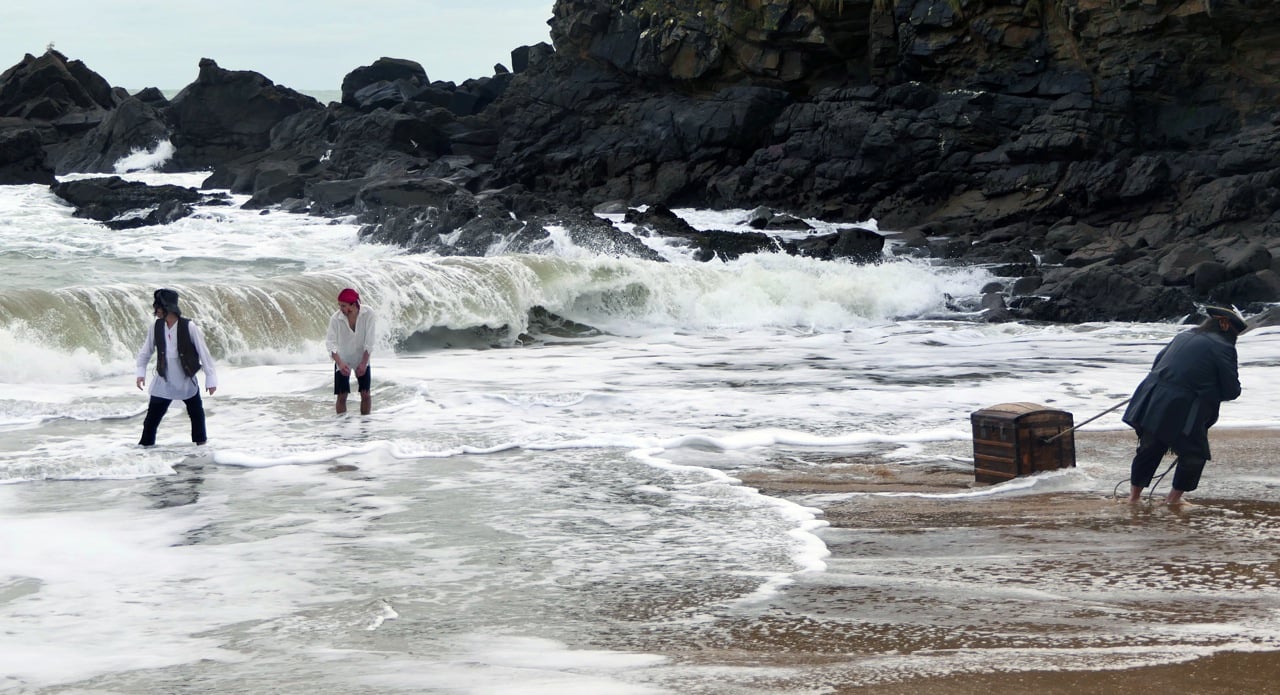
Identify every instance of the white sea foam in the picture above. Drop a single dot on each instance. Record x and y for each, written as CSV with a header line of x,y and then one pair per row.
x,y
146,160
502,507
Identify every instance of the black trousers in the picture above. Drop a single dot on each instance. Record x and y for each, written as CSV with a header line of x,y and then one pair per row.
x,y
159,406
1186,476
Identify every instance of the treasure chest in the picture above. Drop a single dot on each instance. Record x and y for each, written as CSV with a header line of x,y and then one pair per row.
x,y
1015,439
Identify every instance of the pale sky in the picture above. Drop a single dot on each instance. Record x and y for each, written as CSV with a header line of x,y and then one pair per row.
x,y
306,45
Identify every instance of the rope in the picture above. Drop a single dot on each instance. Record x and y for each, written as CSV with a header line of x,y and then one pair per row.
x,y
1049,440
1155,482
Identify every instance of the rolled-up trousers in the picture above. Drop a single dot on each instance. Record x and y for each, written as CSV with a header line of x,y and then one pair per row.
x,y
1186,476
159,406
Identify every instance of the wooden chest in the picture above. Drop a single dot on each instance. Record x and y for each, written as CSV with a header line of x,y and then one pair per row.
x,y
1009,440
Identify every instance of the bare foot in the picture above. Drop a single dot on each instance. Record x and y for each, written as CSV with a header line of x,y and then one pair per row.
x,y
1180,503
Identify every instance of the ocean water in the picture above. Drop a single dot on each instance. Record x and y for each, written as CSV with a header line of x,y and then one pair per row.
x,y
729,477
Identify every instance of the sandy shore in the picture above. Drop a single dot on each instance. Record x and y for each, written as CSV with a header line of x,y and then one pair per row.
x,y
1220,674
1204,561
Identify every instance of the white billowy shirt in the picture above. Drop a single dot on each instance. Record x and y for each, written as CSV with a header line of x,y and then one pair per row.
x,y
350,343
176,385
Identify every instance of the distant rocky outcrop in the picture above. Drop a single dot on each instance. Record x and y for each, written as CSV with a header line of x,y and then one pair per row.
x,y
1108,159
227,113
54,90
45,103
22,156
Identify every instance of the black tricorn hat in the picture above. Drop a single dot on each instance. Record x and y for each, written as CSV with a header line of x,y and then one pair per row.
x,y
1237,321
168,300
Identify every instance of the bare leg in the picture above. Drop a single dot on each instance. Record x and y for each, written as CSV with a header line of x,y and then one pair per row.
x,y
1175,498
366,402
342,403
1135,494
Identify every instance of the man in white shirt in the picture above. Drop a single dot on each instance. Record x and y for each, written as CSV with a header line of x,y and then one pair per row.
x,y
350,340
181,353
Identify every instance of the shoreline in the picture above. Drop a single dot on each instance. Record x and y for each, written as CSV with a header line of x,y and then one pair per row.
x,y
1179,542
1224,673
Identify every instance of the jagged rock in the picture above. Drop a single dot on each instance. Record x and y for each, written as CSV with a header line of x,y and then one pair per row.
x,y
384,72
994,309
165,212
133,126
1256,289
764,218
227,114
54,101
127,204
441,218
50,87
1121,155
659,220
587,231
152,96
525,57
22,158
861,245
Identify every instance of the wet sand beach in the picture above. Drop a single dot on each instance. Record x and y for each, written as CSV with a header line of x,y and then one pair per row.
x,y
1046,592
1220,674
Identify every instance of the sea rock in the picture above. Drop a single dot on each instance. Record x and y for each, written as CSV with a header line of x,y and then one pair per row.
x,y
383,74
437,216
51,87
47,104
659,220
861,245
1114,160
133,126
22,157
122,204
227,114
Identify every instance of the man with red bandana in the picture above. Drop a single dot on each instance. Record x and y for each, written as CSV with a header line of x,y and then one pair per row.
x,y
350,341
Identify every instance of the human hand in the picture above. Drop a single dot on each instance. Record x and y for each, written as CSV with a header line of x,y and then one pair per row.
x,y
211,389
141,381
361,369
344,368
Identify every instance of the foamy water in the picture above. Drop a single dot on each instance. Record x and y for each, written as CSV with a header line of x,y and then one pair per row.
x,y
565,512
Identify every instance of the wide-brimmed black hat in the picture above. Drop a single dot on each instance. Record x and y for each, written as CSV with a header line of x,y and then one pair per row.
x,y
1237,321
168,300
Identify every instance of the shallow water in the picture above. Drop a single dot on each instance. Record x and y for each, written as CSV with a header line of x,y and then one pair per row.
x,y
756,477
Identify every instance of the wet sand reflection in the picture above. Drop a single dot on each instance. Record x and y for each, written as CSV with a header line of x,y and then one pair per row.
x,y
978,593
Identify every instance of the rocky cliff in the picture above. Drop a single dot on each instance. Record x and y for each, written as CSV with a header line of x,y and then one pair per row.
x,y
1113,159
1116,158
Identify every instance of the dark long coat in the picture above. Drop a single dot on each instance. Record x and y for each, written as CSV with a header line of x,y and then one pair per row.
x,y
1179,399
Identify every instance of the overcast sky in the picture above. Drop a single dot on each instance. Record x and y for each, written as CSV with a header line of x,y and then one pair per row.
x,y
307,45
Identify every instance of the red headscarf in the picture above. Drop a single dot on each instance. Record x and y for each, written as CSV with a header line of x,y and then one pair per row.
x,y
349,296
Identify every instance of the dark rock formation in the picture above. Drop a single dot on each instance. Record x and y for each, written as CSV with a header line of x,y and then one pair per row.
x,y
50,88
47,103
861,245
659,220
438,216
858,245
226,114
133,126
1129,130
1108,159
121,204
22,158
403,76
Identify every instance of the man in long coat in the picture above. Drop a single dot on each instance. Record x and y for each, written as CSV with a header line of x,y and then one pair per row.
x,y
1178,401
